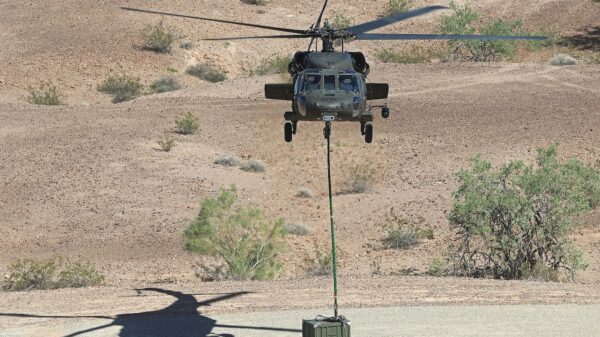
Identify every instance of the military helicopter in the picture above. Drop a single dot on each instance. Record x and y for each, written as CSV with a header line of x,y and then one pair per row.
x,y
332,86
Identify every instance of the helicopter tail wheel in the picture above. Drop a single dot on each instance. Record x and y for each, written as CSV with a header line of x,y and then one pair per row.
x,y
385,112
368,133
288,131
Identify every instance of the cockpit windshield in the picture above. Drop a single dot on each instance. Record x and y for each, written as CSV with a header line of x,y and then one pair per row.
x,y
347,83
312,82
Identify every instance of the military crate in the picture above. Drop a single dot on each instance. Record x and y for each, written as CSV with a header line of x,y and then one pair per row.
x,y
325,328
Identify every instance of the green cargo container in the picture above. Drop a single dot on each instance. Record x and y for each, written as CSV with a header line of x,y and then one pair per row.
x,y
324,328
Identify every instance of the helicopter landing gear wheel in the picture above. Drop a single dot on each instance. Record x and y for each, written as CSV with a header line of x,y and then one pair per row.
x,y
385,112
368,133
288,131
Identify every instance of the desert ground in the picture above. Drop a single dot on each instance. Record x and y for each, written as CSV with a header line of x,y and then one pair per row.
x,y
87,180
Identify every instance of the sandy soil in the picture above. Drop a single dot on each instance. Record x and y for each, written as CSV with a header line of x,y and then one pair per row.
x,y
86,180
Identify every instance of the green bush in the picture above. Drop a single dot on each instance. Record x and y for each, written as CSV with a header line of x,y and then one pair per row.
x,y
157,38
248,243
33,274
206,72
165,84
514,222
46,95
166,143
388,55
121,87
275,65
186,124
465,20
397,6
438,267
340,21
401,234
78,275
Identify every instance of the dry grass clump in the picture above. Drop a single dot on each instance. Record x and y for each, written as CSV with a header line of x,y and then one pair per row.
x,y
253,165
186,124
321,263
46,95
360,179
157,38
166,143
121,87
228,160
206,72
255,2
54,273
165,84
397,6
562,60
296,228
304,192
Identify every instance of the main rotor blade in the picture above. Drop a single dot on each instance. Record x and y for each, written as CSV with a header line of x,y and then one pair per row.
x,y
303,36
445,37
318,25
287,30
388,20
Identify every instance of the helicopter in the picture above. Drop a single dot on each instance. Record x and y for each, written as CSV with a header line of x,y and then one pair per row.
x,y
328,85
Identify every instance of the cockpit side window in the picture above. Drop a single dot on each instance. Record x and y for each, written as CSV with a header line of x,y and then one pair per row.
x,y
329,82
312,82
348,83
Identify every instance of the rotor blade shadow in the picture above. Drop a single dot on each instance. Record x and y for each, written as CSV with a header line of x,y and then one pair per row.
x,y
181,318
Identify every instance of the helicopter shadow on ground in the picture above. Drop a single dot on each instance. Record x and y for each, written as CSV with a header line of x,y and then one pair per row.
x,y
181,319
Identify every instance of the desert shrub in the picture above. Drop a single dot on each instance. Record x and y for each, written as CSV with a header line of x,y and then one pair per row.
x,y
206,72
304,192
248,243
397,6
437,267
186,124
255,2
78,275
275,65
253,165
34,274
172,70
165,84
46,95
562,60
166,143
186,44
321,263
228,160
121,87
157,37
360,179
340,21
388,55
296,228
515,221
465,20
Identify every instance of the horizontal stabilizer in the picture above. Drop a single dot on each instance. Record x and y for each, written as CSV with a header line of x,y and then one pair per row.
x,y
377,90
281,91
